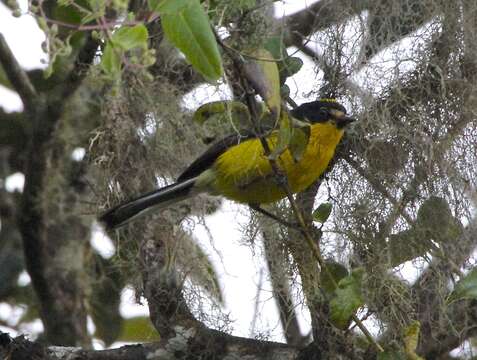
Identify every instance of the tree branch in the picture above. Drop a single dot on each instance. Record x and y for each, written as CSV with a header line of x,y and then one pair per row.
x,y
189,343
318,16
17,76
81,66
58,289
430,290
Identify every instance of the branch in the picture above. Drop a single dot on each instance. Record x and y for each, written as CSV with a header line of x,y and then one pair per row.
x,y
17,76
432,288
59,292
82,62
188,343
461,326
318,16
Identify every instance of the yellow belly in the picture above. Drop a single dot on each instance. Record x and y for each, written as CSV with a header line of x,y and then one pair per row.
x,y
243,173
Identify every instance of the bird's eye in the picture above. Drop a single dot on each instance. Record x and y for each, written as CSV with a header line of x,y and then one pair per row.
x,y
322,113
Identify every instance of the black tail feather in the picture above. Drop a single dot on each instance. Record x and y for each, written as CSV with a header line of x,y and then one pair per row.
x,y
123,213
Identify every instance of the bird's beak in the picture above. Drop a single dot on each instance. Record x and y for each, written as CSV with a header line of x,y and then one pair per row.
x,y
343,121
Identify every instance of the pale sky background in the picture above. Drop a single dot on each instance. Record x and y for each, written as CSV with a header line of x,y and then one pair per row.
x,y
238,267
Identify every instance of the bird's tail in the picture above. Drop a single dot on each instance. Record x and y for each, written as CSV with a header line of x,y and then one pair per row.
x,y
125,212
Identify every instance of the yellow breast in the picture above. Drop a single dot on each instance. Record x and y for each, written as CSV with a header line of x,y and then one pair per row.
x,y
243,173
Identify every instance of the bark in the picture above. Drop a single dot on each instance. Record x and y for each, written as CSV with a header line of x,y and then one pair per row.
x,y
188,343
46,243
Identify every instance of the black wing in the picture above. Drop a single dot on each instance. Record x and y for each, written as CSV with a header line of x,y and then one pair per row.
x,y
206,160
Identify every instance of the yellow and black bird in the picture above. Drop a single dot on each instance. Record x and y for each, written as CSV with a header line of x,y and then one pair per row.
x,y
237,168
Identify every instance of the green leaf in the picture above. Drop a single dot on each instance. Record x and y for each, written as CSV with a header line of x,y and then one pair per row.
x,y
407,245
293,135
322,213
123,39
189,30
111,60
466,288
287,66
291,65
264,77
275,46
235,111
434,222
68,14
167,6
299,142
285,91
128,38
11,4
411,338
284,136
347,300
335,270
138,329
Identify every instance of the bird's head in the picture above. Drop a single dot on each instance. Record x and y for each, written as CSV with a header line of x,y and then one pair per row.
x,y
323,110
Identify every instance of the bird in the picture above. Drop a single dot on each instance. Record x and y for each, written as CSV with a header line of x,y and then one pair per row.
x,y
237,167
